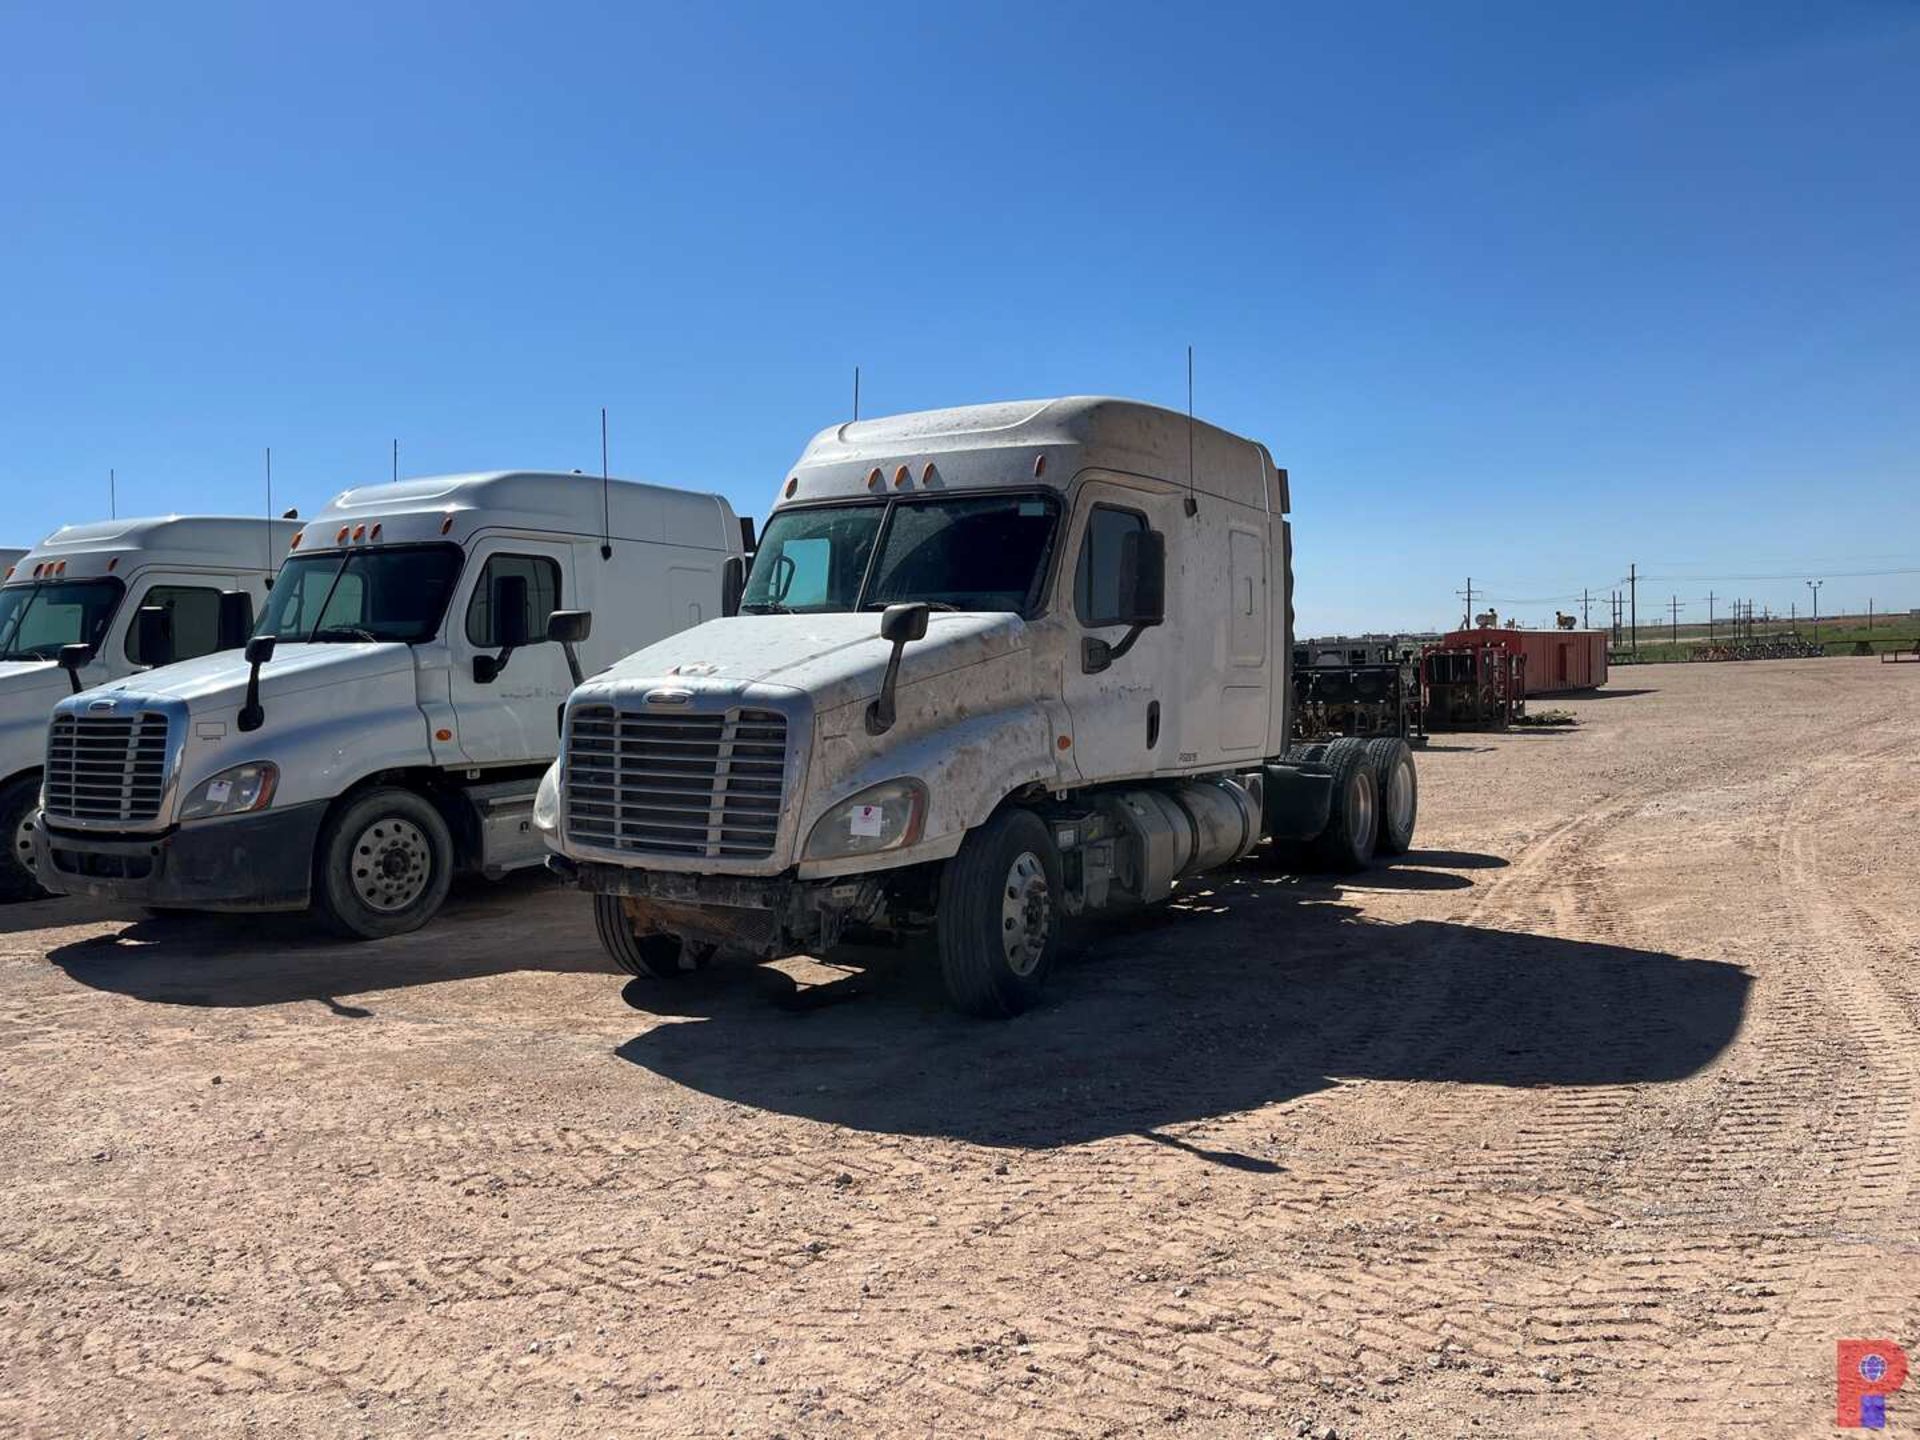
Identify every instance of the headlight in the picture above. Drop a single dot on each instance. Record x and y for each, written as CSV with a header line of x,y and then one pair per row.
x,y
232,792
881,817
546,802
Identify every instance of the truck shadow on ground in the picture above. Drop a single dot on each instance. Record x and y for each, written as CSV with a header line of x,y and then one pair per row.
x,y
276,959
1255,990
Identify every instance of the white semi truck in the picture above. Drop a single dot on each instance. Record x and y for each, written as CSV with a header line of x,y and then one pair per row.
x,y
995,667
93,603
390,718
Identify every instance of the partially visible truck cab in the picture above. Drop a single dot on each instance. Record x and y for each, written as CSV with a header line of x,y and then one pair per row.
x,y
390,719
994,667
87,586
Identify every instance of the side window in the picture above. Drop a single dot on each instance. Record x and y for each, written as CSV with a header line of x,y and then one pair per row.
x,y
195,614
543,597
1096,580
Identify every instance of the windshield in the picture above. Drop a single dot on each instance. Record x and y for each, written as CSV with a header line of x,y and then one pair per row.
x,y
396,593
36,620
983,552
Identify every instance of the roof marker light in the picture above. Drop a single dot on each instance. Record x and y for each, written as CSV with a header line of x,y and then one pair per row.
x,y
294,544
341,538
873,477
900,477
447,524
360,532
793,484
61,568
926,473
376,532
113,564
1039,466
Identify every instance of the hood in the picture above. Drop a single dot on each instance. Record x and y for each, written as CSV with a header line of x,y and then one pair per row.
x,y
29,689
216,680
833,658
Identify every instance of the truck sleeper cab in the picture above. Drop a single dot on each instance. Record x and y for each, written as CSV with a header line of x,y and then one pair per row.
x,y
994,667
94,603
391,716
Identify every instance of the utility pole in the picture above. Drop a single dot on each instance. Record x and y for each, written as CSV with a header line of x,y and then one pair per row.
x,y
1869,614
1467,623
1674,606
1709,617
1585,624
1633,606
1814,585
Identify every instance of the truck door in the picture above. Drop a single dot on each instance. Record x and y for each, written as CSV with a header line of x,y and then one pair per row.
x,y
512,718
1246,695
1125,715
192,603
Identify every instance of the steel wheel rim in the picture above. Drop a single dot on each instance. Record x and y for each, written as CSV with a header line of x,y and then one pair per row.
x,y
23,844
1026,914
390,864
1400,797
1362,812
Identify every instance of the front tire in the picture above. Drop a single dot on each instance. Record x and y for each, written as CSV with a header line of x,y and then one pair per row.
x,y
18,801
999,917
652,955
384,863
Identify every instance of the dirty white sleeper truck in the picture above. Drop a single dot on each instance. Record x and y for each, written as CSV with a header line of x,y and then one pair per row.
x,y
390,718
92,603
995,667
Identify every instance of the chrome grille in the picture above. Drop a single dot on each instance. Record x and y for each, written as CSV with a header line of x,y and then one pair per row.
x,y
106,768
706,786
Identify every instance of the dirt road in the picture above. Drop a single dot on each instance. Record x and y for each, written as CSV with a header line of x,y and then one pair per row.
x,y
1596,1116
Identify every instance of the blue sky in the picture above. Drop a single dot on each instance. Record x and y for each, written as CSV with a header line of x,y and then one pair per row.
x,y
1523,292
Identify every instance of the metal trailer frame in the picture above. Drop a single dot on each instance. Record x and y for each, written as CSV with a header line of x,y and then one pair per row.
x,y
1473,687
1379,697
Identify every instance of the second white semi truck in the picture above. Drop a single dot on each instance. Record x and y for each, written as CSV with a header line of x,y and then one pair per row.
x,y
93,603
995,667
390,718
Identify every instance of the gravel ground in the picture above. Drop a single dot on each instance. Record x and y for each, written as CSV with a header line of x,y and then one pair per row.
x,y
1596,1115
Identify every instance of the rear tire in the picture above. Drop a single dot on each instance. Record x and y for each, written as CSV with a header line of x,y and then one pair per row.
x,y
18,801
998,921
1353,819
1397,787
383,865
654,955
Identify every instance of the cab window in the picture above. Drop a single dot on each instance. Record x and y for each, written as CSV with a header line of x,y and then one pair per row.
x,y
543,597
1096,579
194,612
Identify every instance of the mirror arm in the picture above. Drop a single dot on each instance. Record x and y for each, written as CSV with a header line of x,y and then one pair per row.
x,y
573,663
251,716
73,674
1126,642
880,714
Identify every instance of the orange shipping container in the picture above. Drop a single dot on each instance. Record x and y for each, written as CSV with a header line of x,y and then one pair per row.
x,y
1557,660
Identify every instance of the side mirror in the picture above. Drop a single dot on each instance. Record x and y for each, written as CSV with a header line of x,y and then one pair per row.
x,y
236,619
73,658
153,634
508,602
567,628
1143,597
733,584
258,652
1143,578
900,625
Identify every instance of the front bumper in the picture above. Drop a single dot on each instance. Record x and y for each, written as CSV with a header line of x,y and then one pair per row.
x,y
254,862
765,916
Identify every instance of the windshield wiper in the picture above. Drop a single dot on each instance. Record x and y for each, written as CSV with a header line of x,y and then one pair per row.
x,y
765,607
352,632
930,604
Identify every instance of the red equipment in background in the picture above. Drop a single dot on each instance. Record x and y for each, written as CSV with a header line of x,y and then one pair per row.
x,y
1477,685
1557,660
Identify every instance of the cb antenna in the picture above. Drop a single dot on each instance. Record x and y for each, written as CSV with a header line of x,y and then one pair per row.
x,y
1192,503
606,493
269,536
856,392
396,462
113,496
